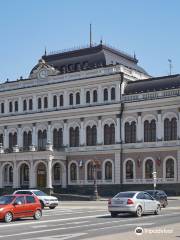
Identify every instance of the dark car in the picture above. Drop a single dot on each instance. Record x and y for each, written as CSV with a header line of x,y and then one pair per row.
x,y
159,195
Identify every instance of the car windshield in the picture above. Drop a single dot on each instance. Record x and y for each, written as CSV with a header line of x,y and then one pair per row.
x,y
4,200
39,193
151,192
125,195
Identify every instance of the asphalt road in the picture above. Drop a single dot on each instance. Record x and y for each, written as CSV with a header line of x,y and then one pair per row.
x,y
90,220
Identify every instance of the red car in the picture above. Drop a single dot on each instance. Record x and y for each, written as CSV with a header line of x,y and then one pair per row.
x,y
19,206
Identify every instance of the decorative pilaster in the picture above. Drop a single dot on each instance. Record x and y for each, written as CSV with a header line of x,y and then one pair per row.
x,y
82,97
34,143
117,132
34,103
139,128
49,133
6,138
82,133
65,134
32,176
99,131
19,136
15,176
159,126
178,125
99,94
49,173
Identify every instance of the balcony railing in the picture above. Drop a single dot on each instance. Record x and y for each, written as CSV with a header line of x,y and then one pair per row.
x,y
149,181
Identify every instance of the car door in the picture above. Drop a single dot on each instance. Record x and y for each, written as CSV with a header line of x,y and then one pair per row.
x,y
149,203
140,200
19,207
30,205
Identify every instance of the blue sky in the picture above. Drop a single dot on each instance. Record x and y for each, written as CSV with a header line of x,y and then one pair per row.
x,y
151,29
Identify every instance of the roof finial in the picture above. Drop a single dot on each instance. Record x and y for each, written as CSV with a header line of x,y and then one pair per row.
x,y
101,41
134,55
45,51
170,66
90,43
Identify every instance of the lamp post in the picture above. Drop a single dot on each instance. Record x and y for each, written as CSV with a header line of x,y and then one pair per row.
x,y
95,163
154,179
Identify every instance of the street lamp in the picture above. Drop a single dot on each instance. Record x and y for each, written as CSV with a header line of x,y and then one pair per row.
x,y
154,179
95,164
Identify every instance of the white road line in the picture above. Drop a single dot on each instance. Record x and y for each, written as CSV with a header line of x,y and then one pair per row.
x,y
45,226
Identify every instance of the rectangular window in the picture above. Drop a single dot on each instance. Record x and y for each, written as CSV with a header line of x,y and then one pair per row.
x,y
2,107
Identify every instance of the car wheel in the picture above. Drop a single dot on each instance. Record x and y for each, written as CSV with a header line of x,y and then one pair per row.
x,y
158,210
113,214
42,204
8,217
37,215
165,204
51,207
139,211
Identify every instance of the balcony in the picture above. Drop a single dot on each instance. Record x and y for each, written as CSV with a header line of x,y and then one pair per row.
x,y
149,181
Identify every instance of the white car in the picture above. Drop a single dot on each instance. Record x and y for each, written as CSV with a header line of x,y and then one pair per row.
x,y
137,203
45,200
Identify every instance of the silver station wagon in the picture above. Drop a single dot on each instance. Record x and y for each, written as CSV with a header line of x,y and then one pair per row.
x,y
137,203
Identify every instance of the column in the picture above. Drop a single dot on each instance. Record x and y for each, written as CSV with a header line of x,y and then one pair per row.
x,y
159,126
34,142
49,133
178,125
99,131
6,138
32,175
15,176
139,128
65,134
19,136
118,91
82,97
117,132
34,103
49,173
6,106
100,94
82,133
117,168
20,104
66,98
64,178
49,100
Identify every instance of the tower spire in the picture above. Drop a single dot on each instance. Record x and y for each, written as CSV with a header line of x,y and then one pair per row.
x,y
45,51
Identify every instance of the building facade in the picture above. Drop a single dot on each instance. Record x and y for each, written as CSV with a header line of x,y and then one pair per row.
x,y
90,114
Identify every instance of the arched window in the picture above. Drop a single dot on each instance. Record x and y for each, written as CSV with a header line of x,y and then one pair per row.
x,y
8,175
39,103
133,132
10,107
94,135
57,138
12,139
105,94
42,139
61,101
129,170
88,97
91,136
24,175
73,172
173,129
170,168
57,172
148,169
90,171
16,106
1,139
88,136
24,105
113,94
27,139
70,99
109,134
150,131
112,134
106,134
45,102
30,104
95,98
78,98
54,101
76,137
2,107
108,171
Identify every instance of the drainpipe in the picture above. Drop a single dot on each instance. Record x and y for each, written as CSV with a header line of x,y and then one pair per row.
x,y
121,118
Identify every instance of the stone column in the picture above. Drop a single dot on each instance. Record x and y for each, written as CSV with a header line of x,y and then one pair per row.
x,y
99,94
139,128
99,131
6,106
6,138
49,140
117,131
15,176
117,91
117,168
34,137
82,133
66,98
178,125
65,134
49,173
19,136
159,126
82,97
20,104
50,100
32,176
34,103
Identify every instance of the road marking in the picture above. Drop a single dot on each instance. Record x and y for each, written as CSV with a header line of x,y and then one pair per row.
x,y
59,237
45,226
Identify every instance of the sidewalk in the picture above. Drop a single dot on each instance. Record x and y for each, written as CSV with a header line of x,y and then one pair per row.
x,y
169,232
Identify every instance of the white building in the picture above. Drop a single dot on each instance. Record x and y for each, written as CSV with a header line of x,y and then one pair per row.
x,y
86,114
